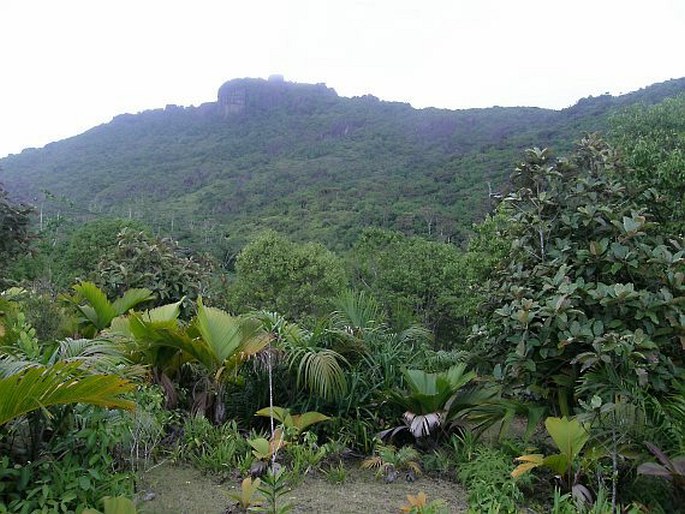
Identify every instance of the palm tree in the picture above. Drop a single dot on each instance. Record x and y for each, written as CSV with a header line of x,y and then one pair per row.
x,y
221,343
144,337
215,341
318,368
435,400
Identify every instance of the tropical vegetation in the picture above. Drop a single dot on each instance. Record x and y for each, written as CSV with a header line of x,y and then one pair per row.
x,y
536,359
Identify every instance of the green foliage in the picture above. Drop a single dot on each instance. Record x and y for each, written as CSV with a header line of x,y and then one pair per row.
x,y
296,280
414,275
317,367
653,143
210,448
146,427
292,422
484,471
98,312
389,461
274,487
78,256
218,342
50,318
570,437
585,267
39,387
567,504
336,474
438,401
304,455
76,467
141,261
14,231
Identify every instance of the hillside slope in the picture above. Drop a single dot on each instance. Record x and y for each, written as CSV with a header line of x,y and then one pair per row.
x,y
302,160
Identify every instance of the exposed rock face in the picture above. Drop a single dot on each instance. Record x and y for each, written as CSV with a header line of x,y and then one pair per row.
x,y
253,95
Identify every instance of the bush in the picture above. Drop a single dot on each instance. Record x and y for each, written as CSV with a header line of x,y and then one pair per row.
x,y
487,477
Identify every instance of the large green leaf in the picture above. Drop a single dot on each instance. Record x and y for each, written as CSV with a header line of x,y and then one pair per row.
x,y
219,330
168,312
59,384
568,434
558,463
302,421
457,376
98,311
279,413
420,382
130,299
430,392
296,421
163,334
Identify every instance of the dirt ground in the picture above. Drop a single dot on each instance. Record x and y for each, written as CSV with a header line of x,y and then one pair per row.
x,y
182,490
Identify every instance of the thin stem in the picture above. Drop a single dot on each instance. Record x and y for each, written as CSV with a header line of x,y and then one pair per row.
x,y
271,403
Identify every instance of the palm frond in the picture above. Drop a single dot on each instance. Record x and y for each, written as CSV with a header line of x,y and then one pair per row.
x,y
98,354
62,383
10,365
319,370
283,330
357,312
168,312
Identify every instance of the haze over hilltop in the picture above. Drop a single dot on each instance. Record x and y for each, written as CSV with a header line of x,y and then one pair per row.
x,y
300,159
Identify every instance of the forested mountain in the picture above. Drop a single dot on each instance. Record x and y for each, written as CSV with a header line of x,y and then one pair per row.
x,y
300,159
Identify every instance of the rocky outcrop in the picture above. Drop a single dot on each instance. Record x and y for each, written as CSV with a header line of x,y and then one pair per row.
x,y
244,96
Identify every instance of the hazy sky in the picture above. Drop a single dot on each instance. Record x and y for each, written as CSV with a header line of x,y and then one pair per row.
x,y
68,65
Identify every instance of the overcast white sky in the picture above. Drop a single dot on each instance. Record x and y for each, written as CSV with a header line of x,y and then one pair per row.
x,y
69,65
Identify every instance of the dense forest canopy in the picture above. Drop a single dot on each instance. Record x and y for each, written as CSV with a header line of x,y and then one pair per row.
x,y
298,159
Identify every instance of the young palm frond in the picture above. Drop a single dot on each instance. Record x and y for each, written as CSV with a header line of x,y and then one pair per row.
x,y
95,354
281,329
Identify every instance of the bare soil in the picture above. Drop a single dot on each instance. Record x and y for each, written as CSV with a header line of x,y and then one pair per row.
x,y
183,490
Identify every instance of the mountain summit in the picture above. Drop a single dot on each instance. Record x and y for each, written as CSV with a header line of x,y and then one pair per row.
x,y
239,96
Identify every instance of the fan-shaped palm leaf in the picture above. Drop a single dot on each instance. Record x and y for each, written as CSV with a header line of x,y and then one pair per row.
x,y
221,332
429,392
130,299
145,334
